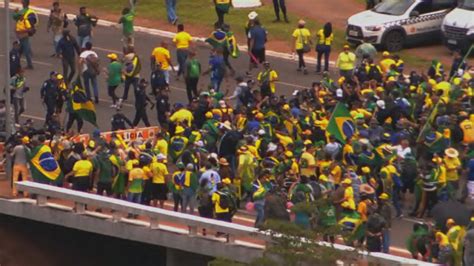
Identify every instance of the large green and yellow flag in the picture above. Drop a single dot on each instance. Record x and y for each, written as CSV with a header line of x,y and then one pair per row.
x,y
341,125
428,124
81,105
44,167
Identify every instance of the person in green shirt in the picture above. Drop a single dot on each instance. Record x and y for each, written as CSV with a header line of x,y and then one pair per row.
x,y
127,18
114,77
103,173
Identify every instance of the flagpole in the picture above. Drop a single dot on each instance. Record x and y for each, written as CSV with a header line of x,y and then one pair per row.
x,y
8,117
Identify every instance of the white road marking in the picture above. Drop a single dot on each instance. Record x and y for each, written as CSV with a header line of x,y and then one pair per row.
x,y
34,61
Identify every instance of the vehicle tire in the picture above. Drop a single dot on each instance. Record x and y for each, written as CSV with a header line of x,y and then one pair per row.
x,y
394,40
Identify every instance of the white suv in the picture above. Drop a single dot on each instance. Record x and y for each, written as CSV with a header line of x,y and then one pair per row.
x,y
394,23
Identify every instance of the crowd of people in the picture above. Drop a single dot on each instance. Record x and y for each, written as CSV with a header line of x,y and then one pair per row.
x,y
363,143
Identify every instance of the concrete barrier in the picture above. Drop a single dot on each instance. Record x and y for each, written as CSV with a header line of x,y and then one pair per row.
x,y
242,243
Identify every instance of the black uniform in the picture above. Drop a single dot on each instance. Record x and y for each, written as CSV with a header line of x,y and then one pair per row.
x,y
119,120
162,107
49,94
15,63
141,100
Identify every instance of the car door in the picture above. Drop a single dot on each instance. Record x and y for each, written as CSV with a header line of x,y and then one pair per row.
x,y
427,16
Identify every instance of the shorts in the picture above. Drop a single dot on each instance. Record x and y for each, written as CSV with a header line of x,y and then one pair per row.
x,y
81,183
259,55
159,191
128,41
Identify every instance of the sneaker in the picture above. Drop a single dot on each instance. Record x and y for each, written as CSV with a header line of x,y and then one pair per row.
x,y
113,106
175,21
305,71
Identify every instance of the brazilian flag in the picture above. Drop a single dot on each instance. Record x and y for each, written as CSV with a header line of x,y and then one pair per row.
x,y
341,125
81,105
426,129
44,168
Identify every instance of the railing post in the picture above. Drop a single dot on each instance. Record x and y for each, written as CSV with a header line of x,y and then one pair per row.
x,y
154,223
230,239
192,230
79,208
116,217
41,200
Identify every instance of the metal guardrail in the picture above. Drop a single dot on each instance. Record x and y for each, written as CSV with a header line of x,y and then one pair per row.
x,y
192,222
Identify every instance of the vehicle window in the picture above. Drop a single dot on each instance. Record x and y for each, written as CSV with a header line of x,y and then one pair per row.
x,y
393,7
443,4
467,4
423,8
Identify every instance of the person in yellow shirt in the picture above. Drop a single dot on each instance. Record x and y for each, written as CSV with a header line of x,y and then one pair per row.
x,y
136,178
267,79
159,176
221,211
182,40
161,58
348,202
81,174
386,62
302,38
161,145
182,115
325,37
346,63
307,161
452,164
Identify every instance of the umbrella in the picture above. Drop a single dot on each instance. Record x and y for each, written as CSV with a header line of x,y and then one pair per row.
x,y
457,211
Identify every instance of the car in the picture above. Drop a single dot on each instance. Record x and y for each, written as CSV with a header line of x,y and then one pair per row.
x,y
458,27
394,23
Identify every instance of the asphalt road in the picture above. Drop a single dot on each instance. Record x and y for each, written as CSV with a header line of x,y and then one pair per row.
x,y
107,40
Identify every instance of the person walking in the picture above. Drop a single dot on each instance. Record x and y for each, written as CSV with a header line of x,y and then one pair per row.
x,y
131,71
127,18
161,58
346,63
222,8
325,37
171,11
49,94
182,40
192,72
18,89
267,79
217,69
303,43
26,21
89,62
114,77
56,22
277,6
257,39
72,115
84,23
67,50
141,100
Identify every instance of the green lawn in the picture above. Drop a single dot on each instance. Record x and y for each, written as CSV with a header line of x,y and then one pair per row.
x,y
201,12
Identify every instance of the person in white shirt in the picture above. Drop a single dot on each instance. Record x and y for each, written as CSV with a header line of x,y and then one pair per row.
x,y
90,69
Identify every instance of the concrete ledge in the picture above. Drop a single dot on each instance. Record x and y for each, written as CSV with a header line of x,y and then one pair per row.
x,y
198,245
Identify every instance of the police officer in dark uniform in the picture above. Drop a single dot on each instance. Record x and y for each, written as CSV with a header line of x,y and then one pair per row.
x,y
49,95
141,100
163,107
119,120
15,63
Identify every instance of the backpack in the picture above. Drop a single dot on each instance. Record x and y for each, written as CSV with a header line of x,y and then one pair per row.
x,y
93,65
224,200
194,69
245,95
